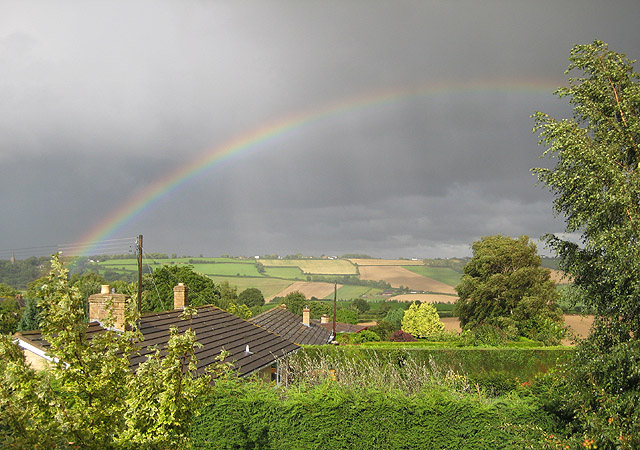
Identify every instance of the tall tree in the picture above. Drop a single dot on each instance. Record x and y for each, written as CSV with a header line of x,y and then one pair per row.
x,y
596,184
505,285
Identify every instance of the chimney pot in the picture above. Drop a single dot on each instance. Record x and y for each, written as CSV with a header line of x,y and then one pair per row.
x,y
324,319
306,316
180,296
106,304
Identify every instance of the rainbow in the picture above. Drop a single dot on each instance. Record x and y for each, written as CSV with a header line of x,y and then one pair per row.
x,y
146,198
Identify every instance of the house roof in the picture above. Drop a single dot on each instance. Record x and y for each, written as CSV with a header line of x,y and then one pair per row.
x,y
215,329
342,327
290,326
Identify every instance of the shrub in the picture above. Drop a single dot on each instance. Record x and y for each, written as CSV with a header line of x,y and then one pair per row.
x,y
364,336
402,336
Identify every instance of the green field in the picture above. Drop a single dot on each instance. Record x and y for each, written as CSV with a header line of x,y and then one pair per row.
x,y
289,273
441,274
347,292
268,286
315,266
228,269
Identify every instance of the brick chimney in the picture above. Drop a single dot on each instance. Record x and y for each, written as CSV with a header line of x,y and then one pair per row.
x,y
180,296
306,316
101,304
324,319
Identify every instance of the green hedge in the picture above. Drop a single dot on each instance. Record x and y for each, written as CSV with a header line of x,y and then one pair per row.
x,y
250,416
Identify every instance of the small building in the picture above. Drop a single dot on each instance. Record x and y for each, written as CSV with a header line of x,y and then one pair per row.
x,y
252,349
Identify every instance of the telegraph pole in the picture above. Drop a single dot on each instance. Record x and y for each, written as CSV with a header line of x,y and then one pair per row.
x,y
139,250
335,297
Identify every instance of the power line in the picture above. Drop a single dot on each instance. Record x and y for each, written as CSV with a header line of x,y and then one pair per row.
x,y
106,246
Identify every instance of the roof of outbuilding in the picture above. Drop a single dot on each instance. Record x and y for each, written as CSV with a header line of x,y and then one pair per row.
x,y
215,329
290,326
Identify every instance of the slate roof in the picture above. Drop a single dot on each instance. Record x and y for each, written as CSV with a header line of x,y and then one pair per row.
x,y
290,326
215,329
341,327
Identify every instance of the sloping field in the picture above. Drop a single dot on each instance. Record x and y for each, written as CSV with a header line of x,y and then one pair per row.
x,y
314,266
425,298
385,262
398,276
309,289
268,286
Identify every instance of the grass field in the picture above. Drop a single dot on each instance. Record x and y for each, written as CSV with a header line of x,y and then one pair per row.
x,y
227,269
289,273
268,286
350,292
315,266
386,262
441,274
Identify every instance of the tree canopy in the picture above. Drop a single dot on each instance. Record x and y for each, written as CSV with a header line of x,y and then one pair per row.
x,y
421,320
596,184
251,297
504,285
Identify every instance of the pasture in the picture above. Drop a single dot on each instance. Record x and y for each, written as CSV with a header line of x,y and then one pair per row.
x,y
441,274
386,262
314,266
268,286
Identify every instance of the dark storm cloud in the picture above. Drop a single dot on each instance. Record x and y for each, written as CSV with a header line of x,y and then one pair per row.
x,y
102,99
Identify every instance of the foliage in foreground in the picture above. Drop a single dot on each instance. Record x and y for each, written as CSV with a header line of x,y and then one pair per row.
x,y
596,186
331,416
89,398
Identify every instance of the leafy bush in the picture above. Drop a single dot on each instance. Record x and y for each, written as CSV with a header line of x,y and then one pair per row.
x,y
402,336
364,336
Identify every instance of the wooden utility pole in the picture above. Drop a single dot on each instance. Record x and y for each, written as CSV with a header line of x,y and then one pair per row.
x,y
139,250
335,298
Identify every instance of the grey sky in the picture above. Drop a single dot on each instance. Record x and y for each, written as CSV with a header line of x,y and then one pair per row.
x,y
99,99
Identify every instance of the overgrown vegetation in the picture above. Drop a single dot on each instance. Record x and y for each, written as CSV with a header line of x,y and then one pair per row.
x,y
90,398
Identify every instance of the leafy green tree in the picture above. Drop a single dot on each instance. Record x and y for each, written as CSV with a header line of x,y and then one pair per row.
x,y
421,320
7,291
345,315
228,293
9,315
89,398
251,297
504,285
159,288
360,305
395,317
384,330
596,184
295,301
240,310
30,319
